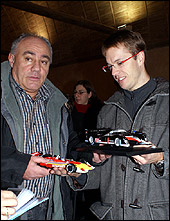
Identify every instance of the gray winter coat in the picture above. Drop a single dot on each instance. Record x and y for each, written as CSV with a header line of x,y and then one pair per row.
x,y
57,116
125,193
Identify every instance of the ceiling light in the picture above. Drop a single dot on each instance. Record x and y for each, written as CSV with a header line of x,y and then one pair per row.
x,y
121,27
128,27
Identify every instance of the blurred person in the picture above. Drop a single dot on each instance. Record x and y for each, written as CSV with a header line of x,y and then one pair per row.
x,y
137,187
86,107
84,115
8,202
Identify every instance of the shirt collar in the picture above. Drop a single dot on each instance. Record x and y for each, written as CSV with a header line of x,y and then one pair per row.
x,y
142,91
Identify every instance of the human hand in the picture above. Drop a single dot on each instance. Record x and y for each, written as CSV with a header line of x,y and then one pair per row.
x,y
98,158
35,171
148,158
8,201
62,172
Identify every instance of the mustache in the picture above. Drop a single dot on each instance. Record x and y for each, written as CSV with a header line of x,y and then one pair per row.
x,y
34,74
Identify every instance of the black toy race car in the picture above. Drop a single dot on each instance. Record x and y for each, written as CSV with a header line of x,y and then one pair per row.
x,y
117,138
117,142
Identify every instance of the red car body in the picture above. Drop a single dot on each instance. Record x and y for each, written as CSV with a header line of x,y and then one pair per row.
x,y
70,165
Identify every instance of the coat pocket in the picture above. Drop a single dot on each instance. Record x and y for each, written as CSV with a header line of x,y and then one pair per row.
x,y
159,210
101,210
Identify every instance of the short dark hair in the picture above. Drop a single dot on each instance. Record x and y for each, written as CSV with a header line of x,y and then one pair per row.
x,y
130,39
89,88
26,35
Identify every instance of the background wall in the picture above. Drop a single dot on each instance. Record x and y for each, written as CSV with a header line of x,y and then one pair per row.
x,y
65,77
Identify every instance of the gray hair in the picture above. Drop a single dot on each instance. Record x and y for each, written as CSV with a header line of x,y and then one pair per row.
x,y
25,35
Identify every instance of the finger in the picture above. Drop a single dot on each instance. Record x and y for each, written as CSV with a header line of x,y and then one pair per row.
x,y
8,194
102,157
96,158
9,202
11,211
74,174
7,211
108,156
137,159
4,217
141,159
58,171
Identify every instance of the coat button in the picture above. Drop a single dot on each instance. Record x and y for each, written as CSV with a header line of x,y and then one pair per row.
x,y
138,169
123,168
134,205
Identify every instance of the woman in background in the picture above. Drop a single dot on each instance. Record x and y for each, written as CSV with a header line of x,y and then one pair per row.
x,y
84,113
86,107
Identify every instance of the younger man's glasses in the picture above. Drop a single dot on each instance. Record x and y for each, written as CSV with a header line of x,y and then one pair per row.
x,y
117,64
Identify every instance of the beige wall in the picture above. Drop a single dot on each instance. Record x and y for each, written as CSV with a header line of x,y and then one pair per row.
x,y
66,76
158,62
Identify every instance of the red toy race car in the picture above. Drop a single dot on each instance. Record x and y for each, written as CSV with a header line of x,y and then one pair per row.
x,y
70,165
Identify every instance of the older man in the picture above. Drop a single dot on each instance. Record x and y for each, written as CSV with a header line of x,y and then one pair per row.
x,y
35,112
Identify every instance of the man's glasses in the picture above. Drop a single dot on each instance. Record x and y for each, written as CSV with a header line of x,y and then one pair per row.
x,y
117,64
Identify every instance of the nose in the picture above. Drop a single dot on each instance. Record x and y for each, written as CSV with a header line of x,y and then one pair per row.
x,y
76,94
115,71
36,66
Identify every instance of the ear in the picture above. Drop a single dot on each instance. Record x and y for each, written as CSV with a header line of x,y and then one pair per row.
x,y
89,95
141,57
11,59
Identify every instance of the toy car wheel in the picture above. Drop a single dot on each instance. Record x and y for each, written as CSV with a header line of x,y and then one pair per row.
x,y
117,141
91,139
71,168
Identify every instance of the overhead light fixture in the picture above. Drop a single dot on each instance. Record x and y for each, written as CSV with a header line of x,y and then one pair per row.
x,y
124,26
121,27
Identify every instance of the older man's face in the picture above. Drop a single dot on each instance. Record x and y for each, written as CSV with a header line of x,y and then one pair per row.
x,y
30,64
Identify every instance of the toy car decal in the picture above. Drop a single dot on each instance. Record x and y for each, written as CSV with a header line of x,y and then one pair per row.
x,y
69,165
133,138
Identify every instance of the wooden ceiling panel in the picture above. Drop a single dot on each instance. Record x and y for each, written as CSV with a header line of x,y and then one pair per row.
x,y
153,7
104,7
64,6
107,19
129,11
90,10
77,29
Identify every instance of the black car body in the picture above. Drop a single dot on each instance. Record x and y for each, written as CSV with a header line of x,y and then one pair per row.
x,y
119,138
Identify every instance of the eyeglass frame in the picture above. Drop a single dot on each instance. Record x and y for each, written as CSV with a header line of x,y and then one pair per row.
x,y
121,62
79,92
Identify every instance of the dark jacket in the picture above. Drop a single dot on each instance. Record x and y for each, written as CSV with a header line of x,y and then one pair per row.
x,y
128,194
13,162
88,120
